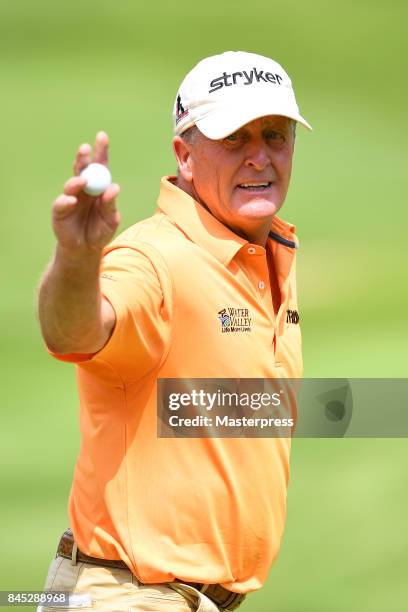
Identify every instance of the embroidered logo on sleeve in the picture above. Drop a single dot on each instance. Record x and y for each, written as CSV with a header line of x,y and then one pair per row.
x,y
292,316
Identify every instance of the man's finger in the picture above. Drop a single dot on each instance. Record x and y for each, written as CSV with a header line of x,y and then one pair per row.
x,y
63,205
111,193
101,148
74,185
83,158
108,203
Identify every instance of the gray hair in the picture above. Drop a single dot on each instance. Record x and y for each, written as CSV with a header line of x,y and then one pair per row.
x,y
190,135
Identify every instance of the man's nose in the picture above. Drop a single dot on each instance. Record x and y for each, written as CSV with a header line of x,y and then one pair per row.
x,y
257,157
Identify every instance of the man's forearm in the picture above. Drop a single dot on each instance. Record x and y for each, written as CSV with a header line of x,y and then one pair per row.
x,y
70,304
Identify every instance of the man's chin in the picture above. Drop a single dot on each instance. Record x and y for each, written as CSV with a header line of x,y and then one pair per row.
x,y
257,208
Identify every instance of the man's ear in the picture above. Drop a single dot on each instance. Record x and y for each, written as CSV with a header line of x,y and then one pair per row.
x,y
182,151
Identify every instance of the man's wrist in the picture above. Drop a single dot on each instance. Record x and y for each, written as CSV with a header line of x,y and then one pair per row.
x,y
78,258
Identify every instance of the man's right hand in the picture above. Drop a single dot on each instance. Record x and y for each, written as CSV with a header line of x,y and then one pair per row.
x,y
82,222
74,316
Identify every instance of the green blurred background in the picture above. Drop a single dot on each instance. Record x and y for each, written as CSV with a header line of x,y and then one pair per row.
x,y
70,69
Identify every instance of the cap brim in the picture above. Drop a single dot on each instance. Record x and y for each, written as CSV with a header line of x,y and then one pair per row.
x,y
230,118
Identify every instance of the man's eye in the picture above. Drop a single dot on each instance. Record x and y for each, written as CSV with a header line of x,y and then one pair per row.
x,y
232,137
272,135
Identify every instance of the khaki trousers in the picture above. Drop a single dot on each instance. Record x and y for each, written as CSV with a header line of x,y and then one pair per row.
x,y
104,589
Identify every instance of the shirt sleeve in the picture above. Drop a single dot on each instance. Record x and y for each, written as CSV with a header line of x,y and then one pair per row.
x,y
139,291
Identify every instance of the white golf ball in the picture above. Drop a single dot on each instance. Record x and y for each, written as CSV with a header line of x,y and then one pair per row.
x,y
98,178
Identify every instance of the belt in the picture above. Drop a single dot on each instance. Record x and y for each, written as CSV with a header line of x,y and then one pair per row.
x,y
224,599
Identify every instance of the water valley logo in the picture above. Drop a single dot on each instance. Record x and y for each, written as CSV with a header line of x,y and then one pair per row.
x,y
292,316
253,76
235,320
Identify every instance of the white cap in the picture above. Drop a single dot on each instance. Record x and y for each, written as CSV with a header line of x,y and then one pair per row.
x,y
224,92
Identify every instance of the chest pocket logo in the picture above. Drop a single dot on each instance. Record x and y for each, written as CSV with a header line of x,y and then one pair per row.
x,y
235,320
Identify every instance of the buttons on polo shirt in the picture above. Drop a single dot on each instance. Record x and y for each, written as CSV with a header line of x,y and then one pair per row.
x,y
261,285
251,250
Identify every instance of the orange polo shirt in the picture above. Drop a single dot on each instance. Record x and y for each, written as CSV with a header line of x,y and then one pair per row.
x,y
206,510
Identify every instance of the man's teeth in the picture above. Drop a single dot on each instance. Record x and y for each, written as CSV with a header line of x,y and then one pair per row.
x,y
254,184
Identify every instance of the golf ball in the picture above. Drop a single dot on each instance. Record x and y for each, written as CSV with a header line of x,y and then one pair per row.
x,y
98,178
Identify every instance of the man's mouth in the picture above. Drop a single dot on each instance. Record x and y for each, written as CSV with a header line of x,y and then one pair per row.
x,y
255,186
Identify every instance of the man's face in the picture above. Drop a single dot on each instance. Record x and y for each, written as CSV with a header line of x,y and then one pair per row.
x,y
243,179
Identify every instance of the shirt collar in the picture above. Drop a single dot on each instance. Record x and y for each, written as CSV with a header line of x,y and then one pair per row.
x,y
202,227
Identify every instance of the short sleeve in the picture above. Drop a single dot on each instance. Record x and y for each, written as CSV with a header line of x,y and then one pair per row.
x,y
138,290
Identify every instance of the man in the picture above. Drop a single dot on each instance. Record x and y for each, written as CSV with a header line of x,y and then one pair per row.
x,y
161,523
